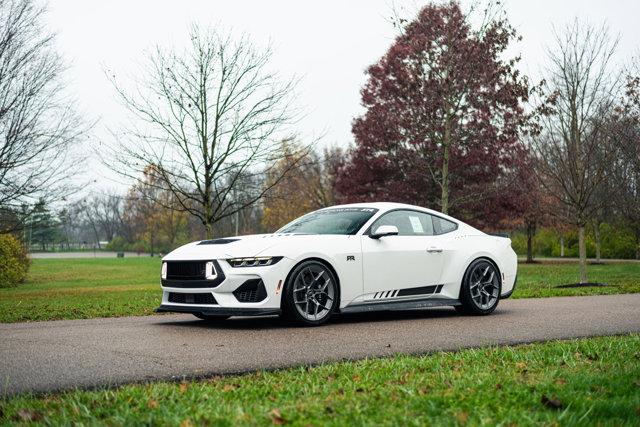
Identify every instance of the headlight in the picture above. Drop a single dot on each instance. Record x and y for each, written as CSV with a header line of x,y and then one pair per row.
x,y
163,271
254,262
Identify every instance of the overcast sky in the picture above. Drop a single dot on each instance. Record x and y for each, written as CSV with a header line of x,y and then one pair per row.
x,y
326,43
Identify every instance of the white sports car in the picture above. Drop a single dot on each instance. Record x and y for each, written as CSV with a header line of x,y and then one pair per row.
x,y
349,258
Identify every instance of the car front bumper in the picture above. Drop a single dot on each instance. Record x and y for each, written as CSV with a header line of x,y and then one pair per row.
x,y
226,297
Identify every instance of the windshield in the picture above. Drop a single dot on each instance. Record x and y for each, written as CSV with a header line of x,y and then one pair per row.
x,y
330,221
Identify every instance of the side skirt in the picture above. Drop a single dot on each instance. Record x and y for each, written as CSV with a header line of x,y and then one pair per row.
x,y
400,305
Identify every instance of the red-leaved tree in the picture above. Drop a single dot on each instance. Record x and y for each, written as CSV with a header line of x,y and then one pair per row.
x,y
443,119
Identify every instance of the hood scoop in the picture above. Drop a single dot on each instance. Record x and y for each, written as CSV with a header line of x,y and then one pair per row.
x,y
217,241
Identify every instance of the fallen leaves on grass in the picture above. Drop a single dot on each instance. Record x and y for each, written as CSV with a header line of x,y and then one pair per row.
x,y
423,391
462,417
183,387
229,387
276,417
551,402
28,415
152,404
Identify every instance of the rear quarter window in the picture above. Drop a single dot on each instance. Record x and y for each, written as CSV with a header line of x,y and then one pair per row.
x,y
443,226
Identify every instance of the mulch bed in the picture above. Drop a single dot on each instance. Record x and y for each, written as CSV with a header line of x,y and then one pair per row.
x,y
584,285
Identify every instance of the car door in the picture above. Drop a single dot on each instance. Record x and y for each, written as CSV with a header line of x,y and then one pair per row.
x,y
403,265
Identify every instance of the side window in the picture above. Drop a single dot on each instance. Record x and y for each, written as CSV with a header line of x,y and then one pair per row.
x,y
409,223
442,226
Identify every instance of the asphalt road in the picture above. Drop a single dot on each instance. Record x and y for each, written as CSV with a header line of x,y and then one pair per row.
x,y
51,356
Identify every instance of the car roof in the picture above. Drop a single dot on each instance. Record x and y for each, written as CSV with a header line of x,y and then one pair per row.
x,y
387,206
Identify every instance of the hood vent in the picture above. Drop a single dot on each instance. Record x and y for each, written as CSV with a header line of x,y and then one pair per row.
x,y
218,241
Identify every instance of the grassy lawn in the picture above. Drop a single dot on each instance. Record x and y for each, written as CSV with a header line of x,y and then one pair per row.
x,y
580,382
539,280
106,287
83,288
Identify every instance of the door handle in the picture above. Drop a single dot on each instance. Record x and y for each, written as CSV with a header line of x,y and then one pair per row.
x,y
433,249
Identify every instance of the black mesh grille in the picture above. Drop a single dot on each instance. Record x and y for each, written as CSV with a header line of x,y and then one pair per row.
x,y
251,291
181,298
186,270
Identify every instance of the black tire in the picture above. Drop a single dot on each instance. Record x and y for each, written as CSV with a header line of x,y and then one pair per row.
x,y
480,289
211,317
329,300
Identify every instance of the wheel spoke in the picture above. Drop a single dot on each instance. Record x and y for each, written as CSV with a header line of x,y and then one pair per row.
x,y
326,295
490,280
315,279
320,304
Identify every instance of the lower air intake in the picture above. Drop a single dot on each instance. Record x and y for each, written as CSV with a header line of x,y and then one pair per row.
x,y
198,299
252,290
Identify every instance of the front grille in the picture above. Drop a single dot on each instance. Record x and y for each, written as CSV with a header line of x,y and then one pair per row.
x,y
186,270
191,274
181,298
252,290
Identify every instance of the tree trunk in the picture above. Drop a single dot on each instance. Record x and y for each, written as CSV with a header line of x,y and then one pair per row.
x,y
582,249
208,229
561,246
531,229
596,232
445,180
445,165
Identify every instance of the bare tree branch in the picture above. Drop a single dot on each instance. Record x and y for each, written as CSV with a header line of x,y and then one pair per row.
x,y
38,124
207,119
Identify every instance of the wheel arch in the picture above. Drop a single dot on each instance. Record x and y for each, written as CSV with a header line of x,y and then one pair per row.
x,y
321,261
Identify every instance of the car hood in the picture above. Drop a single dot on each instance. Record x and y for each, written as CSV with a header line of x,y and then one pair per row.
x,y
232,247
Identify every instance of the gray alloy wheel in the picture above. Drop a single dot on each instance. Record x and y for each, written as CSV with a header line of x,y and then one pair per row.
x,y
312,293
481,287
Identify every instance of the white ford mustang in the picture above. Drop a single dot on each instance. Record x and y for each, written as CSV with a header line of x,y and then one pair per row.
x,y
349,258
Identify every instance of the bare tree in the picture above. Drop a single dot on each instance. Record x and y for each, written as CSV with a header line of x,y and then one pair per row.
x,y
574,147
38,124
207,118
105,213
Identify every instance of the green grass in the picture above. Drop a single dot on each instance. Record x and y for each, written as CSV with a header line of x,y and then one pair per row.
x,y
583,382
540,280
84,288
107,287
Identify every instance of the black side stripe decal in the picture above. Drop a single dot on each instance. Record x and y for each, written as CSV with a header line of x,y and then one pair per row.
x,y
420,290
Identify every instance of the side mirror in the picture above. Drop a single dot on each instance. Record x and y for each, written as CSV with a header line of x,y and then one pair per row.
x,y
384,230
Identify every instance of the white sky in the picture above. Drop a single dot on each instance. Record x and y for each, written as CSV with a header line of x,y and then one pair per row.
x,y
327,43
